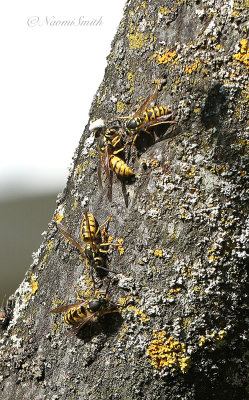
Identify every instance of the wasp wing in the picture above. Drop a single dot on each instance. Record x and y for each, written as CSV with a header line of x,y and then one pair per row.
x,y
68,235
146,103
76,328
99,175
163,119
67,307
108,172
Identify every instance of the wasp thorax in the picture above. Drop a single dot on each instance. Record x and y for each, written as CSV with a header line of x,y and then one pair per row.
x,y
132,124
95,305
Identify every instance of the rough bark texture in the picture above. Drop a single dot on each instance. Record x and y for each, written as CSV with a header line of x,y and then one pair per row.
x,y
185,229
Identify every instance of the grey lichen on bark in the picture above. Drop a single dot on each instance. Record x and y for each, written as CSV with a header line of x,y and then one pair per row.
x,y
182,332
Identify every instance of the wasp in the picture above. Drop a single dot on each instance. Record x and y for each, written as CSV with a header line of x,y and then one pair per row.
x,y
79,314
145,118
109,144
95,243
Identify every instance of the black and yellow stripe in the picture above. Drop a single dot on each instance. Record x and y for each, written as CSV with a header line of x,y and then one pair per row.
x,y
75,315
154,112
150,114
120,167
94,232
111,139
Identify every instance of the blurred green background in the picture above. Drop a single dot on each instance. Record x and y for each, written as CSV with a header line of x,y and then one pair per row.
x,y
22,222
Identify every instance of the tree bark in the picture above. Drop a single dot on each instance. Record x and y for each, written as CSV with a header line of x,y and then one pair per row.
x,y
182,330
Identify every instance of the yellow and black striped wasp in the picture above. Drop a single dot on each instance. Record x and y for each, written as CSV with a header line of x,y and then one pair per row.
x,y
95,245
109,144
145,118
80,313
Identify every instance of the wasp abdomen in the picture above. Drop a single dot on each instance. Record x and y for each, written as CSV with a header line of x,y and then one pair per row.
x,y
93,227
150,114
74,316
120,167
154,112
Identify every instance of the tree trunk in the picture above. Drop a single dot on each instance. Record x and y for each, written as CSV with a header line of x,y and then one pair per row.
x,y
181,332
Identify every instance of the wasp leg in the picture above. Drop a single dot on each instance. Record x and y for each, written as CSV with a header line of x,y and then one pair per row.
x,y
136,135
88,274
104,251
116,140
101,226
119,150
77,293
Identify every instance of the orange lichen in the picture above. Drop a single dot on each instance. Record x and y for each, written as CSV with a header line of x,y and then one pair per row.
x,y
243,55
192,67
167,352
166,57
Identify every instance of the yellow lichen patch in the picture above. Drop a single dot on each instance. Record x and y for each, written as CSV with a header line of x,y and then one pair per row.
x,y
188,271
186,323
137,40
79,169
120,246
175,290
154,164
218,171
164,10
75,205
190,173
58,217
158,253
167,352
120,107
243,55
56,303
130,77
143,317
166,57
213,339
123,301
49,249
33,287
50,246
123,332
92,153
202,340
212,257
192,67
